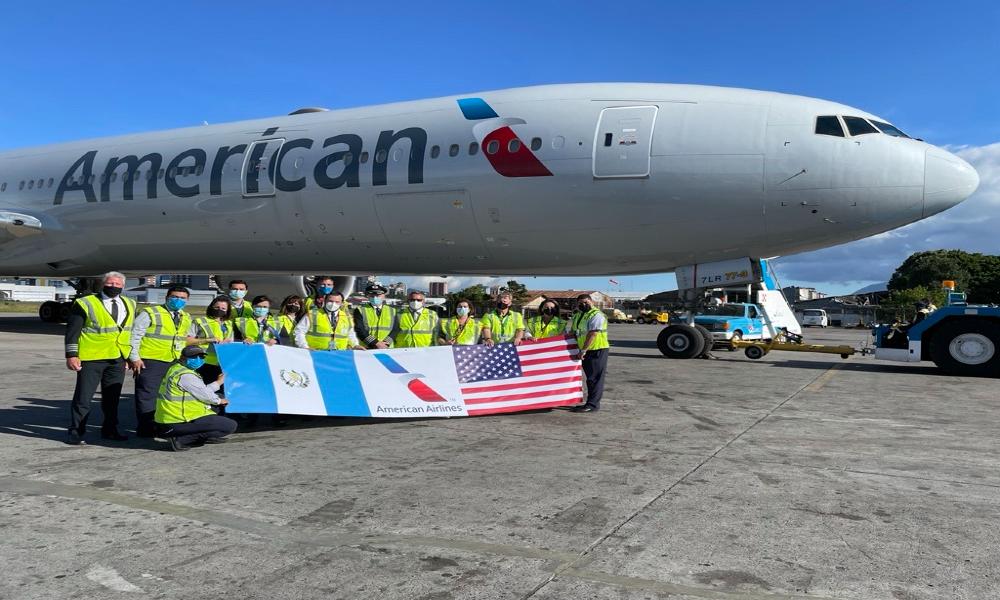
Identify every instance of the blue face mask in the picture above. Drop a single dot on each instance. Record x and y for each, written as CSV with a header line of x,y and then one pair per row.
x,y
195,363
174,303
260,311
324,289
237,294
376,300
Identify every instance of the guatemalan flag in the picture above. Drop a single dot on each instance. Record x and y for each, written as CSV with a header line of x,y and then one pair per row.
x,y
440,381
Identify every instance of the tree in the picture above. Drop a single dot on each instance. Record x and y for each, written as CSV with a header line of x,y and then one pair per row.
x,y
477,294
518,291
901,304
978,275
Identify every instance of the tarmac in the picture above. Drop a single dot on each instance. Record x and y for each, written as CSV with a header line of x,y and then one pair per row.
x,y
796,476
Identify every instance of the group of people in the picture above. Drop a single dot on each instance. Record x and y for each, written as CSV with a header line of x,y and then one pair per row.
x,y
179,383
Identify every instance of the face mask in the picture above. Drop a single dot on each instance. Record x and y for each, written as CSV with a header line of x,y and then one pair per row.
x,y
174,303
583,306
462,311
260,311
195,363
216,312
416,304
292,308
111,292
324,289
376,300
237,294
503,303
333,306
548,310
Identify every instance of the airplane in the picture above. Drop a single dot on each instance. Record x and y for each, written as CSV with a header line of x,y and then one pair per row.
x,y
574,179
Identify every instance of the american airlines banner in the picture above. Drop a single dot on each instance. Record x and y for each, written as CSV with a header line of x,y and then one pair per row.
x,y
441,381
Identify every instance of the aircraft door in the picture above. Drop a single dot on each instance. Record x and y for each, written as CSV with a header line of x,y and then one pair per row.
x,y
623,141
258,167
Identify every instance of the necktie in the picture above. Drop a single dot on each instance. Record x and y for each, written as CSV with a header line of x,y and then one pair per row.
x,y
177,319
114,311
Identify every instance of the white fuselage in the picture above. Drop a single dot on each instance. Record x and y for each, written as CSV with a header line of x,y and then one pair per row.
x,y
670,175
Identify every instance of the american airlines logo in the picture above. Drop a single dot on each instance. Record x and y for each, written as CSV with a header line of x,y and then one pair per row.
x,y
263,161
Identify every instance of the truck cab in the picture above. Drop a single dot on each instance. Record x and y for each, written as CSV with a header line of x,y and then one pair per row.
x,y
739,321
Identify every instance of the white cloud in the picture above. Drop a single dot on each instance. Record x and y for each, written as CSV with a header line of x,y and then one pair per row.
x,y
455,283
973,226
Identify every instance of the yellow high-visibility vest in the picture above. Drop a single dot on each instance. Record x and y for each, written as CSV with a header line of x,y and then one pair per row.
x,y
102,338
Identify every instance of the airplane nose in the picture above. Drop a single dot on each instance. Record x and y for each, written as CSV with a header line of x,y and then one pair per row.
x,y
947,181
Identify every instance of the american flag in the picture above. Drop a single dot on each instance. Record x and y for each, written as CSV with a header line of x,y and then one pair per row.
x,y
508,378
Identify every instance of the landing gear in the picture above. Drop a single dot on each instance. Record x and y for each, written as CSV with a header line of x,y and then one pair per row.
x,y
680,341
54,312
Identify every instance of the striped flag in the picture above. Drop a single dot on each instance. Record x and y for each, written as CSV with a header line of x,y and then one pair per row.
x,y
508,378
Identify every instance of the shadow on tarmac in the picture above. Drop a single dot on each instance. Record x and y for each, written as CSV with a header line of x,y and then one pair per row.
x,y
30,325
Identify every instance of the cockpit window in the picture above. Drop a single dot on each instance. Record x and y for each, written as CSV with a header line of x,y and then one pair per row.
x,y
859,126
889,129
829,125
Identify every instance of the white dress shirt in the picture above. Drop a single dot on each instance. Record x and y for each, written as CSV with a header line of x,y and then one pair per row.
x,y
108,301
303,327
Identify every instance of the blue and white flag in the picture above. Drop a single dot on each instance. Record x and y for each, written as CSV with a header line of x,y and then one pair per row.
x,y
441,381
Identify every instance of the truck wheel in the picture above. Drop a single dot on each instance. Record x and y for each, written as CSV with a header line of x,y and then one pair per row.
x,y
641,320
709,340
754,352
680,341
737,337
967,347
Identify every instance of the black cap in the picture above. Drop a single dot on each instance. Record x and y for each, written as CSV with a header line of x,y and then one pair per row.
x,y
374,289
192,351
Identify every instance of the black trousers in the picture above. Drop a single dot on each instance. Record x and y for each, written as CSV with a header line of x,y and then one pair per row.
x,y
147,385
595,363
109,375
209,373
196,432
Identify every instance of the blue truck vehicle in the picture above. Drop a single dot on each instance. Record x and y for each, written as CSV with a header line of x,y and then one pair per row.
x,y
960,338
733,322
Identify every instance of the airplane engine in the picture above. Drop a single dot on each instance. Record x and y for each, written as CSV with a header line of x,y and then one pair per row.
x,y
276,287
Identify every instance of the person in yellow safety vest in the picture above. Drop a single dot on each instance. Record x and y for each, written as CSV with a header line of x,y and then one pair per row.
x,y
327,327
547,323
158,336
416,325
97,345
373,320
241,309
324,286
288,317
184,405
590,327
261,328
503,324
461,330
214,328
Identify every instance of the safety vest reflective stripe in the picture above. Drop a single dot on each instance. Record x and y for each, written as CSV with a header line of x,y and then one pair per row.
x,y
245,311
322,335
212,329
251,329
468,335
418,332
287,324
173,404
379,323
163,340
101,338
502,329
581,329
539,329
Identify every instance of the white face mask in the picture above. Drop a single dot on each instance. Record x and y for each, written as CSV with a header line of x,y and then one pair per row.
x,y
416,304
462,311
333,306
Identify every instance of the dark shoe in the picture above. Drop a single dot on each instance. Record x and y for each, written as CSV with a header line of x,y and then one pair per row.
x,y
114,435
586,408
177,446
145,432
75,439
218,440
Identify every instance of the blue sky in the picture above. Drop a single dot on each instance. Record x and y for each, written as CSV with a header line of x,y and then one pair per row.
x,y
76,70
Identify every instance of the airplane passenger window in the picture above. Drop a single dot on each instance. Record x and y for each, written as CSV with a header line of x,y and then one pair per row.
x,y
364,157
829,125
20,186
199,170
3,187
514,145
453,150
174,171
435,151
159,174
348,158
31,184
889,129
114,177
536,143
493,147
41,182
380,156
858,126
473,149
51,181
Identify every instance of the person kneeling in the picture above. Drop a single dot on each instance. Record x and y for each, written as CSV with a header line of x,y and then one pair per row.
x,y
184,404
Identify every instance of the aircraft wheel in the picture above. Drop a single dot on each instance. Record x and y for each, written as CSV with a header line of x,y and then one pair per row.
x,y
48,311
754,352
680,341
63,312
709,340
968,347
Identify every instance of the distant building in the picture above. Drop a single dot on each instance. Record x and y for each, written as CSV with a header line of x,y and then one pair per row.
x,y
566,299
438,289
794,293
